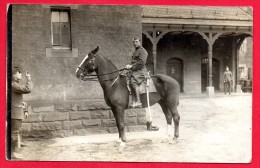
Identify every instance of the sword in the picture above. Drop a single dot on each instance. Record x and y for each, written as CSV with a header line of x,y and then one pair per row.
x,y
147,93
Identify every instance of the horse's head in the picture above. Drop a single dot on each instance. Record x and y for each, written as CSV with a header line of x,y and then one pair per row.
x,y
87,65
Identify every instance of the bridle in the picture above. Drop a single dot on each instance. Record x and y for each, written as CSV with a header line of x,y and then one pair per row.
x,y
95,76
91,61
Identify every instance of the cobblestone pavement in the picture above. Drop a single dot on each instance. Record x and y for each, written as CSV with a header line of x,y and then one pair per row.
x,y
216,130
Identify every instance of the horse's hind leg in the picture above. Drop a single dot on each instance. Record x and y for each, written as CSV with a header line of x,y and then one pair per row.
x,y
168,117
176,118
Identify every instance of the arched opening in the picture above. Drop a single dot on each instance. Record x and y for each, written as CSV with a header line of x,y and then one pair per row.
x,y
147,44
175,70
205,73
245,69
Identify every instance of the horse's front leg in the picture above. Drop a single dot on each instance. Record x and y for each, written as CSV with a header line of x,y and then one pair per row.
x,y
119,116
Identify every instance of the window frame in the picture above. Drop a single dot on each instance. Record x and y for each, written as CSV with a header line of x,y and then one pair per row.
x,y
61,47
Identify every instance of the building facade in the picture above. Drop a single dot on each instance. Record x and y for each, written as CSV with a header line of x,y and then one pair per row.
x,y
191,44
195,44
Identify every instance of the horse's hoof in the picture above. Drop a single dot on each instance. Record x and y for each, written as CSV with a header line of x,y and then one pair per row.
x,y
121,148
165,140
175,140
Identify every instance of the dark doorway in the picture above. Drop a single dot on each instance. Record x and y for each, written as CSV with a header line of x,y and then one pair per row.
x,y
175,70
205,73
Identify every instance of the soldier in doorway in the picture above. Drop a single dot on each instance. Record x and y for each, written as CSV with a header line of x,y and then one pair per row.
x,y
227,81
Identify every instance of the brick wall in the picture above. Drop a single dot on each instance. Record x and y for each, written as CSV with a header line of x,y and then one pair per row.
x,y
61,119
110,27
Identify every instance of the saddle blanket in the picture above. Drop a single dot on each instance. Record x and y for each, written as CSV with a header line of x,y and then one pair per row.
x,y
151,88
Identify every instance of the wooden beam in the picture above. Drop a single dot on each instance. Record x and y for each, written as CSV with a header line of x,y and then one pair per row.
x,y
246,30
198,22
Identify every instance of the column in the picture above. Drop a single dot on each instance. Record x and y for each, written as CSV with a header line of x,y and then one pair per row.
x,y
154,52
210,64
210,40
235,67
154,58
210,88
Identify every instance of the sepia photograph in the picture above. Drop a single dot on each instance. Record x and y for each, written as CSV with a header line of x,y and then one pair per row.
x,y
129,83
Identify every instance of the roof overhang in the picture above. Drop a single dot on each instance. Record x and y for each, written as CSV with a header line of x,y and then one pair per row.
x,y
199,22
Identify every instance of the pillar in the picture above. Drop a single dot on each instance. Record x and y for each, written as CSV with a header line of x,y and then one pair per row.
x,y
210,88
154,58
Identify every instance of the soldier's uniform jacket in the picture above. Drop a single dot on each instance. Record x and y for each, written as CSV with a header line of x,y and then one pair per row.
x,y
227,76
139,70
17,98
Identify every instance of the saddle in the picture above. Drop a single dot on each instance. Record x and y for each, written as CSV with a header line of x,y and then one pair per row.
x,y
147,84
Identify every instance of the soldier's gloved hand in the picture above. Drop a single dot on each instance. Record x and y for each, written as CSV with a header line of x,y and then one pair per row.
x,y
128,66
26,114
28,75
24,105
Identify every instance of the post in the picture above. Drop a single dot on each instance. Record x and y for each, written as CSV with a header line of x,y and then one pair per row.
x,y
210,64
235,66
148,99
154,58
210,88
154,52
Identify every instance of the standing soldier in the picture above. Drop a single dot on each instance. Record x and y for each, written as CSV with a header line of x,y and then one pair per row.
x,y
17,110
227,81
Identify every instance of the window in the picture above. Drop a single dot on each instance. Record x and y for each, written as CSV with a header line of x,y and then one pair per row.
x,y
61,28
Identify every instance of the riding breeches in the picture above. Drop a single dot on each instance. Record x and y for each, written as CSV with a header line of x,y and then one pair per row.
x,y
16,125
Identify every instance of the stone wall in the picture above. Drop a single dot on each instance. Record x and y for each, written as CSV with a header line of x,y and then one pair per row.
x,y
62,119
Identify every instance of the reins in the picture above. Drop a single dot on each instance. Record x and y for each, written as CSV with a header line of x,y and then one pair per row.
x,y
102,74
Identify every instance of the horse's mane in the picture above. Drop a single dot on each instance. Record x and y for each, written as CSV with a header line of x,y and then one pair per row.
x,y
108,60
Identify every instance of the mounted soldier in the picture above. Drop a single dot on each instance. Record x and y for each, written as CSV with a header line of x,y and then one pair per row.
x,y
138,71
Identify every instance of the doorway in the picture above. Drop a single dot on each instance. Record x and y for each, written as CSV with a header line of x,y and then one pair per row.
x,y
175,70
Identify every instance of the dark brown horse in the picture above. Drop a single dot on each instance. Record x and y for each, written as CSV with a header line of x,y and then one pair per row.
x,y
116,93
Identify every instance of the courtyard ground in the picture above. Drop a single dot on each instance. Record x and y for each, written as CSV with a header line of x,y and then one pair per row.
x,y
215,130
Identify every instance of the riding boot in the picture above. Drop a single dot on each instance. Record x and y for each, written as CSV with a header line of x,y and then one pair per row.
x,y
136,96
15,155
151,127
138,103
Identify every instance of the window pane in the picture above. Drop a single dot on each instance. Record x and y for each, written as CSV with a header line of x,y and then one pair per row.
x,y
56,28
55,16
65,28
64,17
66,40
56,39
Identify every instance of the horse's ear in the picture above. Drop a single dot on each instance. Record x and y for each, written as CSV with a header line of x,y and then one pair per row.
x,y
95,50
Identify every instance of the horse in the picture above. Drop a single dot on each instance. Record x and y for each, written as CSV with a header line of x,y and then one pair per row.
x,y
116,93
